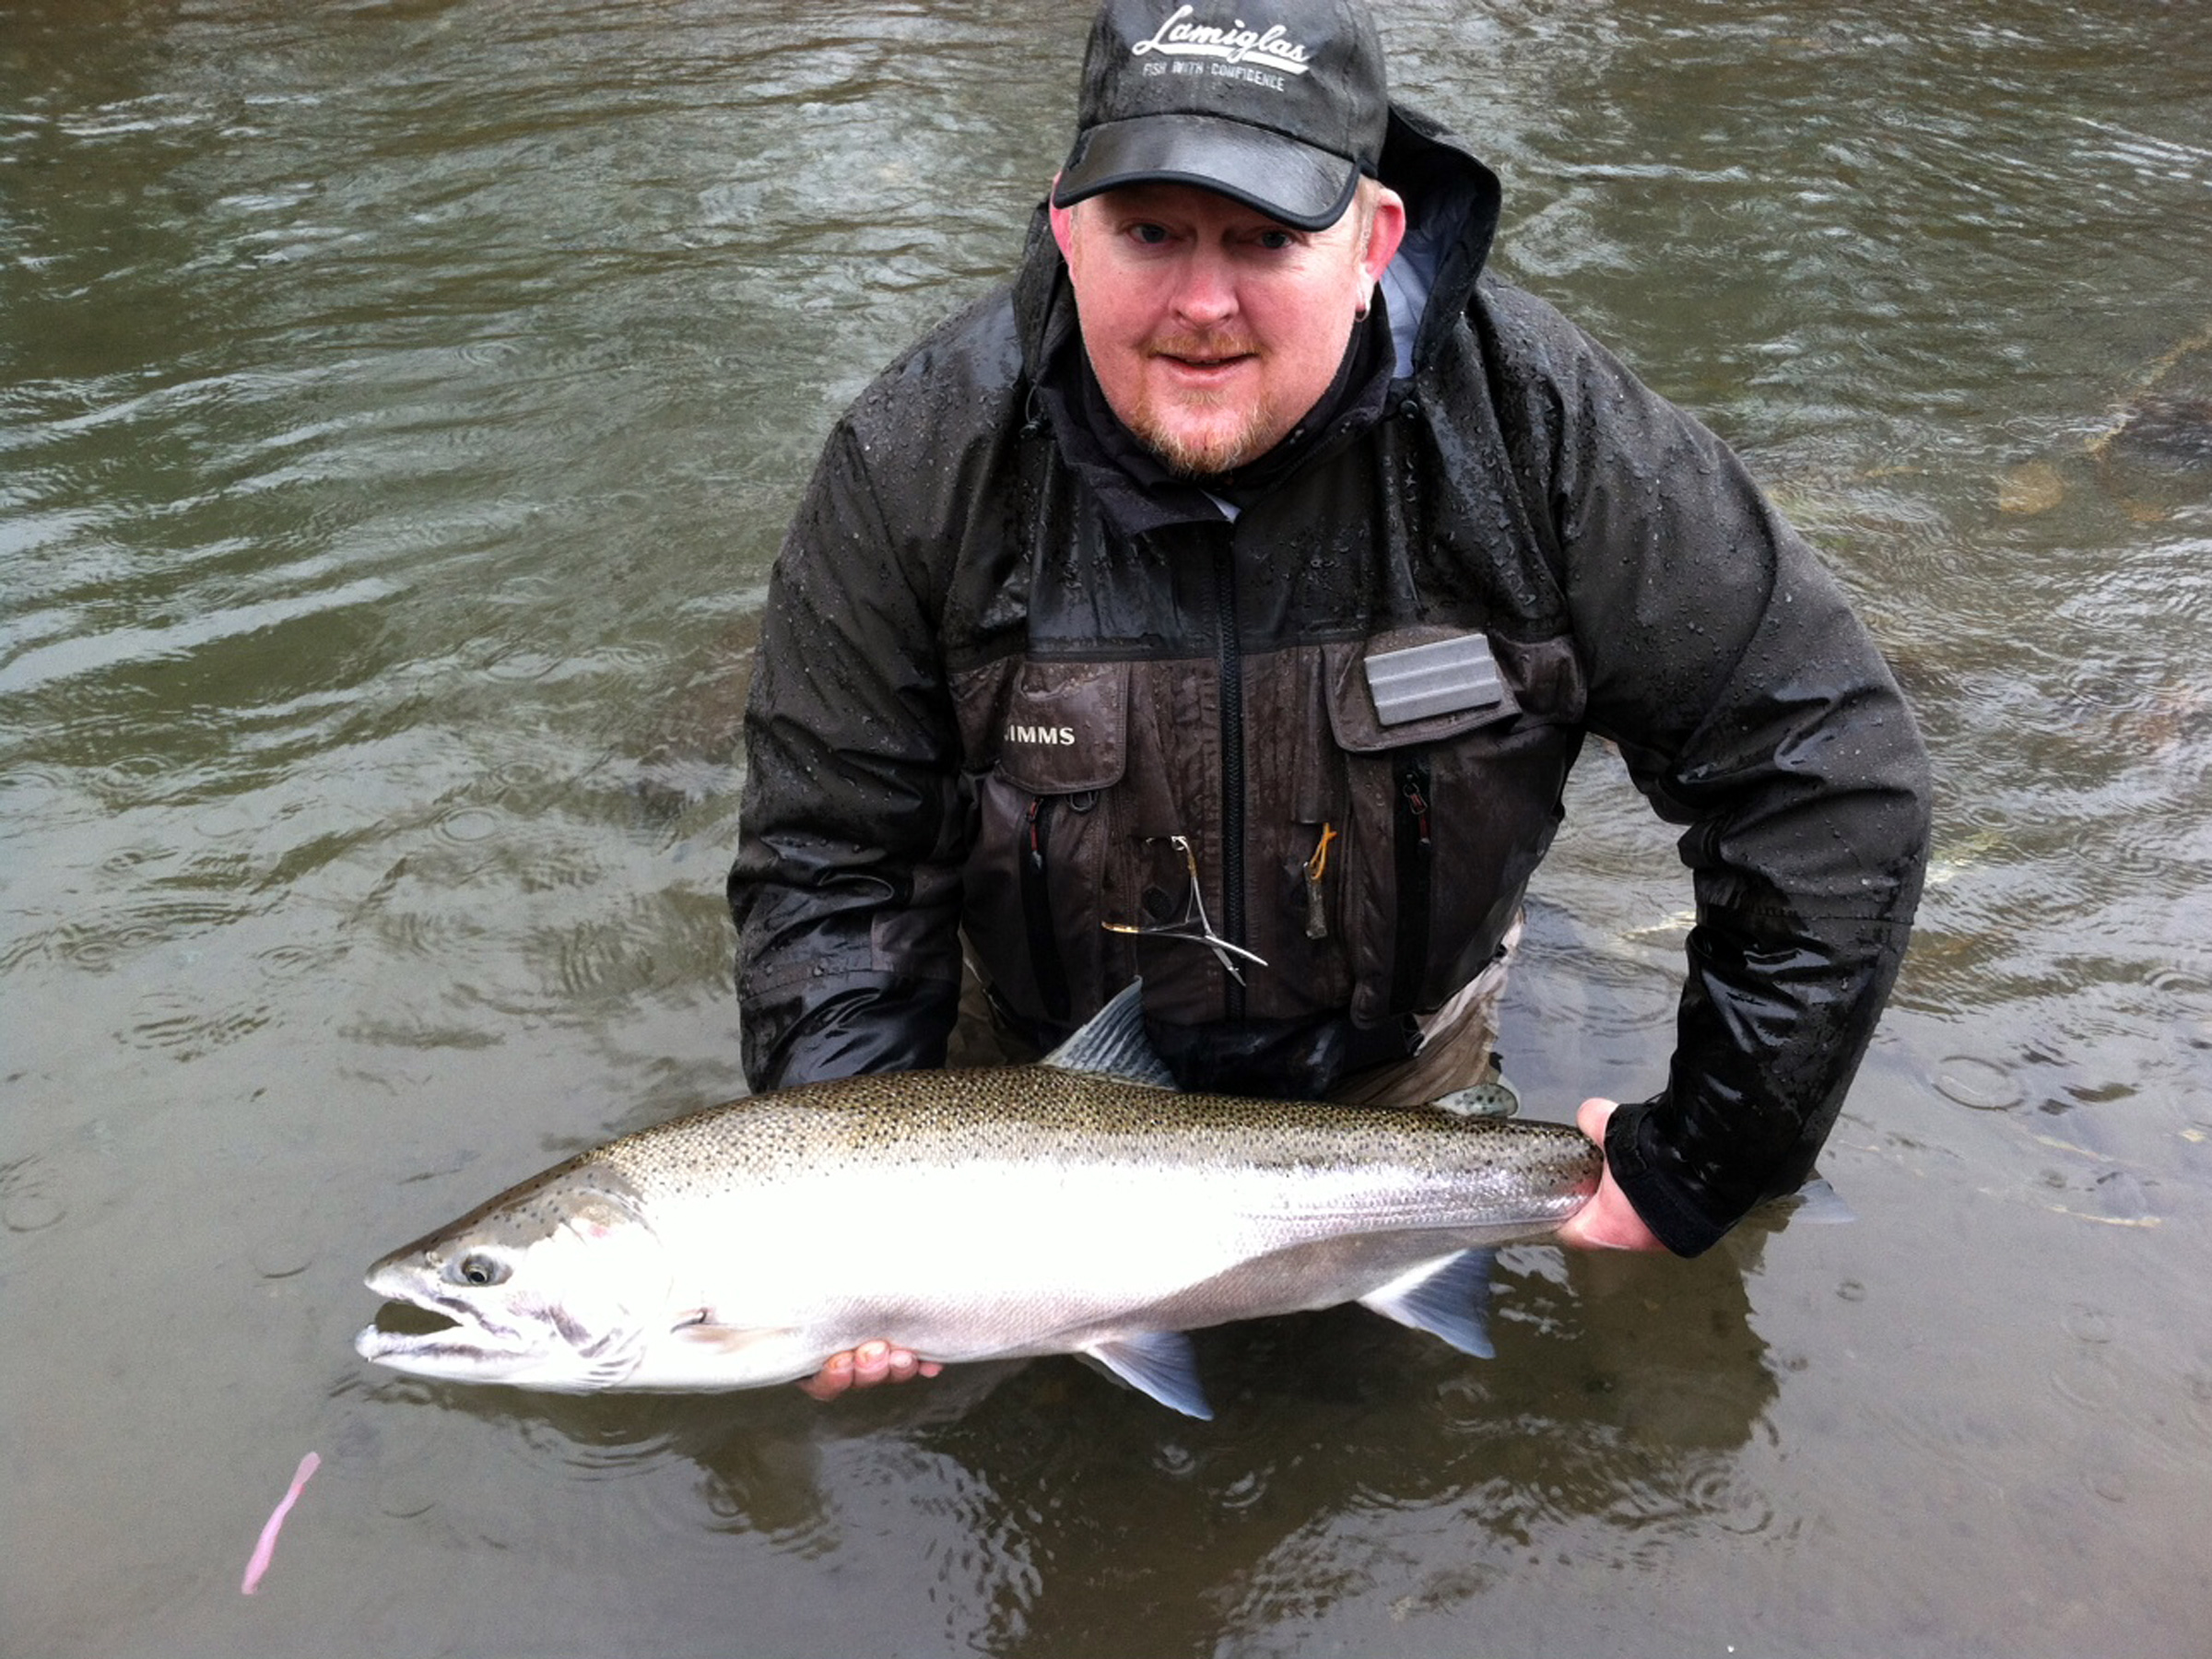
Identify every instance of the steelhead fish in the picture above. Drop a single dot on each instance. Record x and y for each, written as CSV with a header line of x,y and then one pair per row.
x,y
1077,1205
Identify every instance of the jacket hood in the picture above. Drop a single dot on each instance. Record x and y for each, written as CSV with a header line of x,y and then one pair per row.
x,y
1452,205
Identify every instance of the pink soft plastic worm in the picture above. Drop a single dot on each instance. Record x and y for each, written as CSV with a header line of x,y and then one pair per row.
x,y
266,1549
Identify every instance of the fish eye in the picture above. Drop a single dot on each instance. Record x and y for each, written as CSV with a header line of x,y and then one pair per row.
x,y
477,1268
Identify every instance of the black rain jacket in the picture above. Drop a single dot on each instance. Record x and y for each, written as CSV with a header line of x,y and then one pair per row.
x,y
1012,689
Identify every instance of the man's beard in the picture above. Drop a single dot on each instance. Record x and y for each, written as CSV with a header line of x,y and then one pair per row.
x,y
1218,447
1219,450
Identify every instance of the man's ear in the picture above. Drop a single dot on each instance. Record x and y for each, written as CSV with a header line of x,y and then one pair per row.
x,y
1388,232
1063,222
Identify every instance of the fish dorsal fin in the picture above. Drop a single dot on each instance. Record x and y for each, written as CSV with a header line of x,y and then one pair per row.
x,y
1449,1298
1158,1363
1112,1042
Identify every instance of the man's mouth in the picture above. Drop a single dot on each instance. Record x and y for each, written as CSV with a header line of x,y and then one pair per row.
x,y
1203,359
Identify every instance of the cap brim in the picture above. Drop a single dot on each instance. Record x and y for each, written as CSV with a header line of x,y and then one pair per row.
x,y
1301,186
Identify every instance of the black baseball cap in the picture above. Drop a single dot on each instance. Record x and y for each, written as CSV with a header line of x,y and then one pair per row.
x,y
1278,103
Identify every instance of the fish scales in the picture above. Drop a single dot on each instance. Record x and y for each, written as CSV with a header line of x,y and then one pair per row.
x,y
1038,1114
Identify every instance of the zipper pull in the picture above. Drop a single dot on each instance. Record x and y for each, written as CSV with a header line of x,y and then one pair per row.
x,y
1317,915
1036,833
1416,804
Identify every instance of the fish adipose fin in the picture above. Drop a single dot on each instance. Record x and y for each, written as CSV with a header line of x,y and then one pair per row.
x,y
1449,1298
1113,1043
1158,1363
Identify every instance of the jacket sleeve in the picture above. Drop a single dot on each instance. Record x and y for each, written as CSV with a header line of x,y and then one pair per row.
x,y
1752,708
846,885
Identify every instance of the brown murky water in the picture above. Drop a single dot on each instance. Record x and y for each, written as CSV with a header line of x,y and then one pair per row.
x,y
400,406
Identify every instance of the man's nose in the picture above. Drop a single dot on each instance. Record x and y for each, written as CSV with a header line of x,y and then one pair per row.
x,y
1205,296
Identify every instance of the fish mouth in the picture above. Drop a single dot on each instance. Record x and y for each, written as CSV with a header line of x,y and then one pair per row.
x,y
426,1331
430,1342
401,1320
419,1330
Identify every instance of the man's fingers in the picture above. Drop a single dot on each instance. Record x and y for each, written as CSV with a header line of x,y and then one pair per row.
x,y
1608,1221
865,1366
833,1380
906,1365
871,1363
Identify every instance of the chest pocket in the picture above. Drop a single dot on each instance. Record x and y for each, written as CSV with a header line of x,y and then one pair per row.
x,y
1452,796
1038,868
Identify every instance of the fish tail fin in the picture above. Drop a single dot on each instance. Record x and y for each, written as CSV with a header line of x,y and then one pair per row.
x,y
1817,1203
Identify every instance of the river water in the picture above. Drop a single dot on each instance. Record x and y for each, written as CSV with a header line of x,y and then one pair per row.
x,y
399,408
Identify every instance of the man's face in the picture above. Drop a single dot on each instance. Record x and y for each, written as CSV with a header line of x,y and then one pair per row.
x,y
1213,328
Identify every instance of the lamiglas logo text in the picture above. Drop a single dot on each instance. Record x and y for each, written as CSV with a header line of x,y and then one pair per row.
x,y
1271,49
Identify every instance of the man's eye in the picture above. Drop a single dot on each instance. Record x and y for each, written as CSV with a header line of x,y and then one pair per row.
x,y
1150,235
1275,242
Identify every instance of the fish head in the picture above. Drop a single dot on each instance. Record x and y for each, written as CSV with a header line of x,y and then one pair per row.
x,y
553,1286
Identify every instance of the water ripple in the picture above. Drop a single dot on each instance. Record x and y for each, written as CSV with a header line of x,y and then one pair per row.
x,y
27,1202
39,666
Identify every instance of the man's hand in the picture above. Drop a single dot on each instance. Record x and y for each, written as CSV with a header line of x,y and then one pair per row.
x,y
1608,1221
865,1366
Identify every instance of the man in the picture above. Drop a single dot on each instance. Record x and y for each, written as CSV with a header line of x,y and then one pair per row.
x,y
1225,601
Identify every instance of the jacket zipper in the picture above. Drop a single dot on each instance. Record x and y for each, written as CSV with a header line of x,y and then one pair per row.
x,y
1045,961
1417,864
1231,666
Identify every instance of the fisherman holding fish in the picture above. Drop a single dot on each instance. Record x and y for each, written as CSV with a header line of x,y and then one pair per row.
x,y
1223,602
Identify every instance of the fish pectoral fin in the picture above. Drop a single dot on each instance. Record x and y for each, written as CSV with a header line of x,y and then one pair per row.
x,y
1158,1363
1449,1298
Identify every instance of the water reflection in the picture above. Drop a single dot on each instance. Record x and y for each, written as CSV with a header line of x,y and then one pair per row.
x,y
1338,1438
